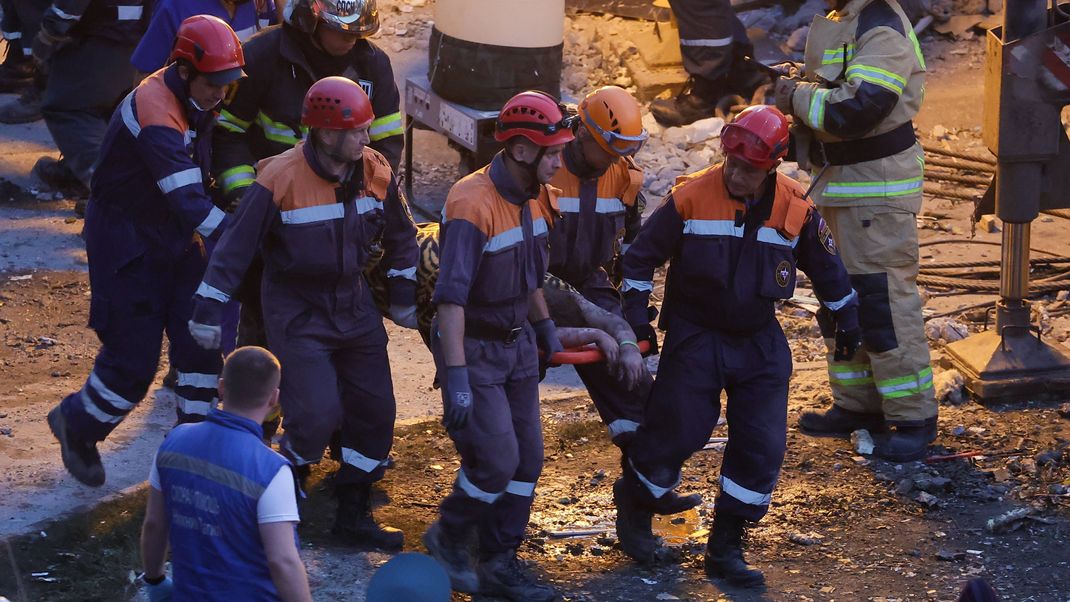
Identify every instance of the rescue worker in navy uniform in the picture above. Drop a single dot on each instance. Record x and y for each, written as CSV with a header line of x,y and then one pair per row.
x,y
734,234
148,225
319,213
491,318
85,46
319,38
713,44
19,72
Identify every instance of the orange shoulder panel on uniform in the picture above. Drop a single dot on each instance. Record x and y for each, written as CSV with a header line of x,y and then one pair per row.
x,y
566,182
157,105
547,203
471,199
292,182
635,182
377,173
703,196
791,211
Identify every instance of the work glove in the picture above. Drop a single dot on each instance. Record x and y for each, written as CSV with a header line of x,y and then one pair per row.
x,y
204,324
645,332
161,592
786,69
546,338
45,45
783,91
457,402
404,316
848,334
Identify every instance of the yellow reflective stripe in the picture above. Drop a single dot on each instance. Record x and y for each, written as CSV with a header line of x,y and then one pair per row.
x,y
278,132
917,48
878,76
873,189
237,177
231,122
836,55
384,127
817,109
904,386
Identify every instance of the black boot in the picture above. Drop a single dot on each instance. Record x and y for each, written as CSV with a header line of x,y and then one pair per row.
x,y
16,72
25,109
697,100
59,178
505,576
354,522
633,519
451,551
906,443
79,457
724,553
838,422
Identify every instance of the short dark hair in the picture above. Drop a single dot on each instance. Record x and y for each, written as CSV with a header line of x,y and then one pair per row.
x,y
250,376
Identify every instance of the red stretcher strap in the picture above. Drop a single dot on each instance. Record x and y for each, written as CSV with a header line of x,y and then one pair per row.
x,y
588,354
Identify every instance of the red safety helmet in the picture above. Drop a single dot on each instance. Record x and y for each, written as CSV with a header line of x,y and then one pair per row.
x,y
759,136
211,47
336,103
536,116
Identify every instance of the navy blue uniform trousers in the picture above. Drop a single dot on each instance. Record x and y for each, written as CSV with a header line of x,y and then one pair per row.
x,y
501,445
697,364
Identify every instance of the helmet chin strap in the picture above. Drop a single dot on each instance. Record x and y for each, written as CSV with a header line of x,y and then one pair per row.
x,y
531,167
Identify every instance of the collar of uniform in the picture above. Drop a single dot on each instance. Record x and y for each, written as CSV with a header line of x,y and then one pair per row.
x,y
762,207
504,183
290,48
577,164
177,85
233,421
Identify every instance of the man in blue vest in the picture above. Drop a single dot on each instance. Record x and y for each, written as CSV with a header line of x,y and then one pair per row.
x,y
226,502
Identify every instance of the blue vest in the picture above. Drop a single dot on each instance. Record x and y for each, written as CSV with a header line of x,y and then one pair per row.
x,y
212,475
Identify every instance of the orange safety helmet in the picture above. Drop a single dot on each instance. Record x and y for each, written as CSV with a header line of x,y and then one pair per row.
x,y
615,120
336,103
759,136
211,47
537,116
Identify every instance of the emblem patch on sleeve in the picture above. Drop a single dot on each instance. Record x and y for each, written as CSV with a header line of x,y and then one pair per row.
x,y
825,235
783,274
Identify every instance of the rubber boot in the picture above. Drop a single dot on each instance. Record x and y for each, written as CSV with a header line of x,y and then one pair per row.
x,y
80,458
503,575
58,177
724,554
634,518
354,522
906,443
838,422
25,109
451,552
16,72
697,100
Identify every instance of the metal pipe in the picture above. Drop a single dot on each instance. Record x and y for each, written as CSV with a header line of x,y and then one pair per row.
x,y
1014,277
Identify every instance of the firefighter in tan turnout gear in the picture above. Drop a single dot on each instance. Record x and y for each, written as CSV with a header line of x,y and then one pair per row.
x,y
853,103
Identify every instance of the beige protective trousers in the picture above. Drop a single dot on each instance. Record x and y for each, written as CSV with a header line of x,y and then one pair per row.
x,y
891,372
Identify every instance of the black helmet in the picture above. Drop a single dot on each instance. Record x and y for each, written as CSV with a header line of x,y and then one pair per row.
x,y
358,17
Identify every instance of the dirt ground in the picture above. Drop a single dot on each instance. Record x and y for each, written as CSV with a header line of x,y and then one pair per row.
x,y
841,527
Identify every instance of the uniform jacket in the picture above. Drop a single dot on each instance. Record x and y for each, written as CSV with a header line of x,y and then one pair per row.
x,y
121,21
149,189
493,246
865,76
599,214
729,263
212,475
155,46
318,234
264,117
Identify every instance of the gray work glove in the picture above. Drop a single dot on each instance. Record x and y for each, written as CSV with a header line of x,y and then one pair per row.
x,y
457,402
546,338
404,316
204,324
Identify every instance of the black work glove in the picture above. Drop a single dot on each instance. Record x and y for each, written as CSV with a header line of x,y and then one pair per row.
x,y
457,402
546,338
645,332
848,334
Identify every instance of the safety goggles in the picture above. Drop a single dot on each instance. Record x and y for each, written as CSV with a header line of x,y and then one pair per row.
x,y
625,146
747,145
